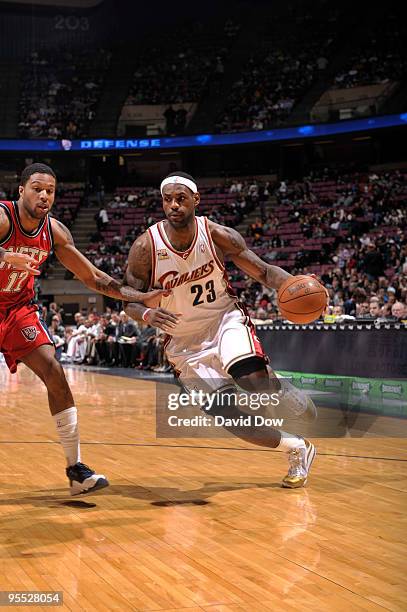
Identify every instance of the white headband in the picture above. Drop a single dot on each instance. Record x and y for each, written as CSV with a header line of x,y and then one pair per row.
x,y
179,180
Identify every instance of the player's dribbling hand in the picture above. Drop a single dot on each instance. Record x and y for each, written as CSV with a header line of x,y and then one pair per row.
x,y
21,261
326,291
163,319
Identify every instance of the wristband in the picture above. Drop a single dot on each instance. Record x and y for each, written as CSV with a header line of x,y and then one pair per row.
x,y
143,316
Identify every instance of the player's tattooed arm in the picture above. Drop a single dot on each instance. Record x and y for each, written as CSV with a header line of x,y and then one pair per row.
x,y
138,275
4,224
233,245
86,272
18,261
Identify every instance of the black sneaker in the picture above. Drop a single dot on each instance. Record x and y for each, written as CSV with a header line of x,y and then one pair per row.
x,y
83,480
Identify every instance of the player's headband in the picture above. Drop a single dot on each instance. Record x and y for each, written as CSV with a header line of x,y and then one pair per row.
x,y
179,180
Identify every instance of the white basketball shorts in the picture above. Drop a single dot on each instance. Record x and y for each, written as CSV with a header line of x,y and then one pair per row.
x,y
202,361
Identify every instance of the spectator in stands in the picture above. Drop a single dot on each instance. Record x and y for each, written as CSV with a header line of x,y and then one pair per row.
x,y
57,331
141,355
128,332
103,219
372,262
374,309
399,311
338,311
170,116
52,311
180,120
152,349
76,349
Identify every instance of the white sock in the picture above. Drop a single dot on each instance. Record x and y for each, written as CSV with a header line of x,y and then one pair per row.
x,y
67,427
289,441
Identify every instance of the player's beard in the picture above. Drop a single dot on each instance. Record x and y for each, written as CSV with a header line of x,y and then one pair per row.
x,y
35,213
186,221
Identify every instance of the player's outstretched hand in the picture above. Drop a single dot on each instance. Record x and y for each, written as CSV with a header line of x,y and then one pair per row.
x,y
21,261
163,319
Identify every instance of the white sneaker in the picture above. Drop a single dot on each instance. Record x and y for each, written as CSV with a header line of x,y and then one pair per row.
x,y
299,464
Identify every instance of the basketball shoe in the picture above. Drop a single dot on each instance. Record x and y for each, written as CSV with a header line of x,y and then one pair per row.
x,y
299,465
83,480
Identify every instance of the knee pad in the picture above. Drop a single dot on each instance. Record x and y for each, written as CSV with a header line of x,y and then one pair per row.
x,y
245,367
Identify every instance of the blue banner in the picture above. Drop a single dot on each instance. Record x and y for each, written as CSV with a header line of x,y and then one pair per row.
x,y
205,140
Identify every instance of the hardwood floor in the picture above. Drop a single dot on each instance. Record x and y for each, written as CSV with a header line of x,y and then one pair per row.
x,y
193,524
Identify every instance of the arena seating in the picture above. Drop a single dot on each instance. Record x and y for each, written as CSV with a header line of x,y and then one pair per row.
x,y
68,201
380,59
177,66
284,66
59,92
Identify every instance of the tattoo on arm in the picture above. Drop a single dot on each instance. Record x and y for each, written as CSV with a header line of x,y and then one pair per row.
x,y
138,271
106,284
234,245
275,276
2,253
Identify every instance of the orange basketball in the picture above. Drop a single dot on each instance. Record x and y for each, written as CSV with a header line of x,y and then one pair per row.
x,y
301,299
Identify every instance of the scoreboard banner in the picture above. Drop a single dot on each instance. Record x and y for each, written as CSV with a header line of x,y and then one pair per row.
x,y
205,140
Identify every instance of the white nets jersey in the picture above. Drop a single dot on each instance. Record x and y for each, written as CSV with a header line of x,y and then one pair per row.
x,y
200,289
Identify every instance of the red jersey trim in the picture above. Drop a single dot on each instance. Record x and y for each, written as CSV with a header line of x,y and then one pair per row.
x,y
154,258
212,245
33,234
183,254
10,218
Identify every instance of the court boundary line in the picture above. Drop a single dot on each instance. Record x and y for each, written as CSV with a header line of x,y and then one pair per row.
x,y
215,448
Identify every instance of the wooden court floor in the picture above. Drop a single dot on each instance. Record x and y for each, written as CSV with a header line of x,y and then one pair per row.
x,y
193,524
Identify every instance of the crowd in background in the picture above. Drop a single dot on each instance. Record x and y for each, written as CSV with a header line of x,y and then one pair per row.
x,y
107,339
177,67
60,89
289,58
365,263
381,58
59,92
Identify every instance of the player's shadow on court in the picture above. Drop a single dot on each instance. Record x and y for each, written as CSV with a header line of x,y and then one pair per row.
x,y
156,496
173,496
33,529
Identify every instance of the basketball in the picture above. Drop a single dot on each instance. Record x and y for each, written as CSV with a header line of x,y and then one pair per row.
x,y
302,299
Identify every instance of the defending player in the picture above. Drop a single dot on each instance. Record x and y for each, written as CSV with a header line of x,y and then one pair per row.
x,y
27,236
211,336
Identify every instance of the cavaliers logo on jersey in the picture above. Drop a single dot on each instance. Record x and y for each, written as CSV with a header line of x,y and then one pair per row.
x,y
30,333
173,278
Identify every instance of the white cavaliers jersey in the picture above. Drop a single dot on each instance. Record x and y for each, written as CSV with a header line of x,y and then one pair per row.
x,y
200,289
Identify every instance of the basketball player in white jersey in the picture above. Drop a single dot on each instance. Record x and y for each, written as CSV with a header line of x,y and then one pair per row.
x,y
211,339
